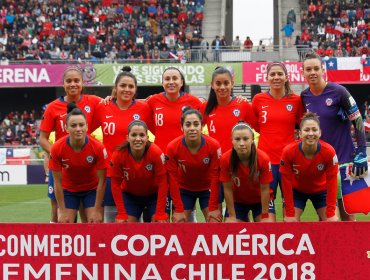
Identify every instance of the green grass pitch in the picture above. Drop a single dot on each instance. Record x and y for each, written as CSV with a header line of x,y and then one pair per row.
x,y
30,204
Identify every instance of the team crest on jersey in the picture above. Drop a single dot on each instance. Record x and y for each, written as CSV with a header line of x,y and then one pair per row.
x,y
87,109
328,101
236,112
136,117
149,167
206,160
89,159
289,107
320,167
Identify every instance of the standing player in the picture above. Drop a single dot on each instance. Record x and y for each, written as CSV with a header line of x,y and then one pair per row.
x,y
245,175
192,164
309,171
139,177
54,118
70,157
222,111
114,119
278,111
337,111
167,107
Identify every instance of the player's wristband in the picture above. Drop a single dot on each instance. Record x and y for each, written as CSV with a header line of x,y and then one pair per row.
x,y
264,215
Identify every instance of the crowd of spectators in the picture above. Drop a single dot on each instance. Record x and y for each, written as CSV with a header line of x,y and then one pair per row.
x,y
336,28
98,30
19,128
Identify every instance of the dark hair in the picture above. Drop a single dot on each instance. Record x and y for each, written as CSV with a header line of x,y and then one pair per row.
x,y
234,158
125,72
181,75
212,98
73,68
73,110
309,116
126,144
311,55
288,89
186,111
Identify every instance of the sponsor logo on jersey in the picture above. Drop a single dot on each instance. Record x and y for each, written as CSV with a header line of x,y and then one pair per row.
x,y
158,108
136,117
206,160
89,159
87,109
328,101
108,117
149,167
320,167
63,115
289,107
236,112
263,107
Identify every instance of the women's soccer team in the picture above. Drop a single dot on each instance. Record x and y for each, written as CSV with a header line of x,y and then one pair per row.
x,y
246,151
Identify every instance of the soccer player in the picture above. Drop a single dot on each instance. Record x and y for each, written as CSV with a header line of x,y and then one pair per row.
x,y
309,170
245,175
278,111
114,119
167,107
193,164
222,111
139,177
74,155
54,119
337,111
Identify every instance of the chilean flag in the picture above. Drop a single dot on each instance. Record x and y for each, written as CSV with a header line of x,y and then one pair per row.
x,y
366,65
343,69
355,192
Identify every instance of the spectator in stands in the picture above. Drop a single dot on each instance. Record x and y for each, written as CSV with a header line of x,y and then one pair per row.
x,y
204,46
288,32
237,44
291,17
216,48
248,44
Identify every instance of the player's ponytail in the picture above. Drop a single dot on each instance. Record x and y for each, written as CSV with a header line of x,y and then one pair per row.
x,y
73,110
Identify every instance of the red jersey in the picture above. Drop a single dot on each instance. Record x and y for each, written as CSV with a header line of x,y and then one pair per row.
x,y
78,168
246,190
143,178
197,172
114,122
276,122
309,175
54,118
221,120
167,116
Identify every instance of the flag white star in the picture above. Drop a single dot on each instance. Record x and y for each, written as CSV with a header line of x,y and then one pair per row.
x,y
331,64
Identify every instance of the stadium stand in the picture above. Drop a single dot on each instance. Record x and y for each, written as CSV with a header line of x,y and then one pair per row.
x,y
336,28
100,31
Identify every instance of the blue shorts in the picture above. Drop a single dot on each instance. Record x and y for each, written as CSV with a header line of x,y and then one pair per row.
x,y
318,199
51,193
108,196
221,194
242,210
276,175
72,200
135,204
189,198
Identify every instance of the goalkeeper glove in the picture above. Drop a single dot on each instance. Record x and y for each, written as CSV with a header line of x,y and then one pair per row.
x,y
359,168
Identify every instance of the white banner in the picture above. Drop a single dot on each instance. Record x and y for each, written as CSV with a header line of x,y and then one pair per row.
x,y
13,174
2,155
